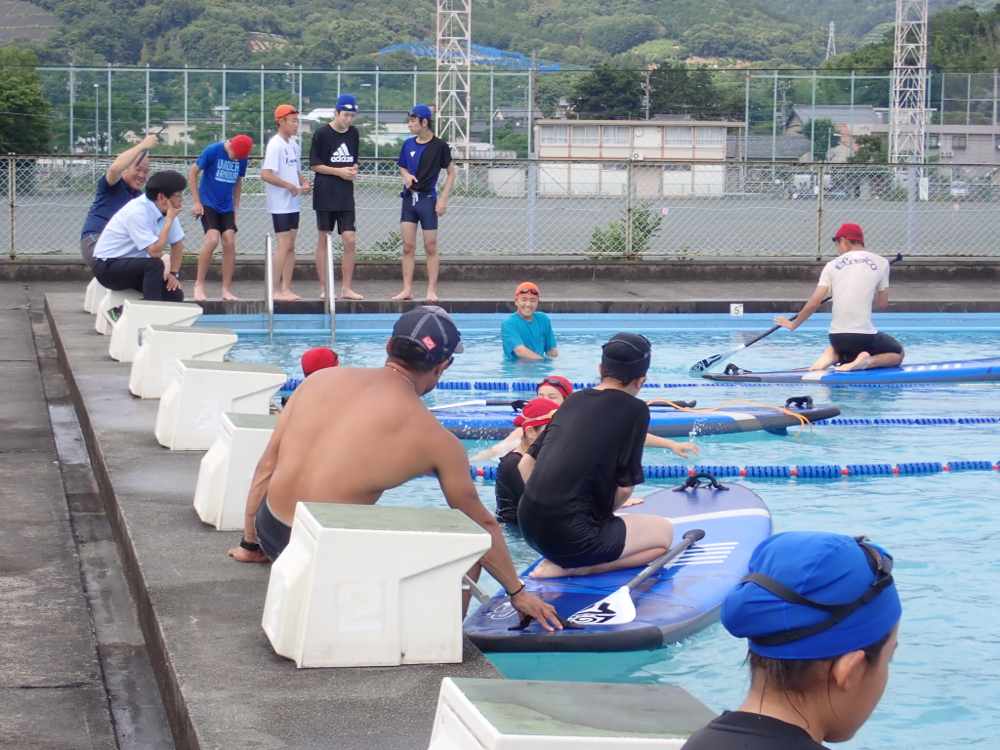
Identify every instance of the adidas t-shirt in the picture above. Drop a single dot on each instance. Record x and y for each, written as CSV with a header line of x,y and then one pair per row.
x,y
219,179
333,149
282,157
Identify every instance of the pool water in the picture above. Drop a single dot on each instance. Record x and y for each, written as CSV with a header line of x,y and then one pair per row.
x,y
942,529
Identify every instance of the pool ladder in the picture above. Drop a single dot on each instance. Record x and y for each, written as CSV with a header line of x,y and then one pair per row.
x,y
331,305
269,281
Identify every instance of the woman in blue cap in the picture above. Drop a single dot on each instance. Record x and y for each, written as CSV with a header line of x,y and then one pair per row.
x,y
821,612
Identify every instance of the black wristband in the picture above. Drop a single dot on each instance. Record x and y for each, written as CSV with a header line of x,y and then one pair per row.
x,y
176,275
516,592
249,546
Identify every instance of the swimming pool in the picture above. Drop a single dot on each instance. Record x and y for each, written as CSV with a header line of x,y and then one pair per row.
x,y
942,529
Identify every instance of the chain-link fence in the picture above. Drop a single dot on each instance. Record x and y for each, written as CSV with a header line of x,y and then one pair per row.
x,y
607,210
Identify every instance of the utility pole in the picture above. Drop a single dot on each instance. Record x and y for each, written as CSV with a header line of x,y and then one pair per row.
x,y
648,92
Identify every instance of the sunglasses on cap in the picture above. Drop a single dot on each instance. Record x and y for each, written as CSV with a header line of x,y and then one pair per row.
x,y
554,382
527,290
881,565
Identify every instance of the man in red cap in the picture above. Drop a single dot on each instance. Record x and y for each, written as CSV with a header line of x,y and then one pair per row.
x,y
527,334
318,359
217,201
856,279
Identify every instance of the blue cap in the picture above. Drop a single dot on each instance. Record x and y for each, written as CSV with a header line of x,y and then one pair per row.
x,y
828,569
347,103
422,111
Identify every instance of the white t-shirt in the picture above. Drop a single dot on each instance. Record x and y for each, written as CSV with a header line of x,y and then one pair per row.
x,y
853,279
134,228
282,157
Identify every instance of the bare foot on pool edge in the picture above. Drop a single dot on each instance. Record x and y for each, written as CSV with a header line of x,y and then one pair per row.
x,y
548,569
350,294
199,293
432,296
228,296
404,295
858,364
288,296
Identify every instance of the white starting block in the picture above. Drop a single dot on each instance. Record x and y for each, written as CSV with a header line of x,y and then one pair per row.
x,y
371,586
478,714
111,299
226,473
94,294
155,364
138,314
188,419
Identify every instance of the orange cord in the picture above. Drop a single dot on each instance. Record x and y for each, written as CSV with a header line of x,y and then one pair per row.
x,y
803,422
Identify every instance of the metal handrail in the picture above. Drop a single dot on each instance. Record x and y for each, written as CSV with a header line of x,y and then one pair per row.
x,y
269,281
331,304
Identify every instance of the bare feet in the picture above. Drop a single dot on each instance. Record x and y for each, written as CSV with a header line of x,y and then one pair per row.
x,y
860,363
228,296
350,294
288,296
432,296
404,295
199,293
548,569
322,293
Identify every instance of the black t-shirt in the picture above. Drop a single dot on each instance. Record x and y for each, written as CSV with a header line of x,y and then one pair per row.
x,y
333,149
739,730
592,446
509,487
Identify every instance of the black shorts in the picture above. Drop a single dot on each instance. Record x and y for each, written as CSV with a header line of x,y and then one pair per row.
x,y
212,219
418,208
849,345
272,533
285,222
571,541
327,220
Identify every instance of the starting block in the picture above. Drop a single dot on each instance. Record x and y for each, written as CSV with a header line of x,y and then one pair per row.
x,y
191,407
371,586
94,294
155,364
478,714
226,472
111,299
138,314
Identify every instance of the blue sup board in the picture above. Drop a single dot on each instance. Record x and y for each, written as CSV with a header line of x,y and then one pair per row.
x,y
678,601
497,422
959,371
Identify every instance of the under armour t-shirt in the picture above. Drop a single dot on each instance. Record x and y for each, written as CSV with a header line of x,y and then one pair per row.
x,y
333,149
739,730
110,199
425,162
283,158
535,334
218,181
853,279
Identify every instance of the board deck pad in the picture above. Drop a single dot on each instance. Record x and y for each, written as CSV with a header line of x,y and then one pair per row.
x,y
674,603
956,371
497,422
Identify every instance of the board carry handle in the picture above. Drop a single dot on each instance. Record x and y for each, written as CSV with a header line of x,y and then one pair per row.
x,y
800,402
695,480
567,625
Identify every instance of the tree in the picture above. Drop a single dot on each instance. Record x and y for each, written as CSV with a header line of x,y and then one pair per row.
x,y
870,148
824,134
678,89
24,111
609,92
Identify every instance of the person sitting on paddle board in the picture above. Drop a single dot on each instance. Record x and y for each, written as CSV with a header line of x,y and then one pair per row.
x,y
558,389
531,423
349,434
821,613
856,279
584,468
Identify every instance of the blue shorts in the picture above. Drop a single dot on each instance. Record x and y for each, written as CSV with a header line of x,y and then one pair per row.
x,y
272,533
418,208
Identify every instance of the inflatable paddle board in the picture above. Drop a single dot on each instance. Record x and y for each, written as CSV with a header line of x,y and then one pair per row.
x,y
678,601
497,422
959,371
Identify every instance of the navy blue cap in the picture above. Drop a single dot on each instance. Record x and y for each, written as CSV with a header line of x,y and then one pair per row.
x,y
832,570
422,111
432,329
627,354
347,103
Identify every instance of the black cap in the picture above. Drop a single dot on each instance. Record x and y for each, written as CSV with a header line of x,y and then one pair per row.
x,y
627,354
432,329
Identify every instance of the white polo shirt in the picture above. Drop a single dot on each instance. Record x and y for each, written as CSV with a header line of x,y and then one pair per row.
x,y
134,228
283,158
853,278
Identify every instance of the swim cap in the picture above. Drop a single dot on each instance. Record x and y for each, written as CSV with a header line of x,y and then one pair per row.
x,y
422,111
241,145
627,355
536,412
284,110
347,103
432,329
558,382
527,289
318,359
813,595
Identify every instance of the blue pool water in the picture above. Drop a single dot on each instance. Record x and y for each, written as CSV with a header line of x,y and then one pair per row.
x,y
942,529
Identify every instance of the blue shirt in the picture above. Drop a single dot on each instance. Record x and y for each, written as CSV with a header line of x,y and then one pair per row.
x,y
536,335
133,229
108,201
219,179
424,161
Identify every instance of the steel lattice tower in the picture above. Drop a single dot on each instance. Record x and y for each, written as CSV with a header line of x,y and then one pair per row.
x,y
453,80
831,41
908,121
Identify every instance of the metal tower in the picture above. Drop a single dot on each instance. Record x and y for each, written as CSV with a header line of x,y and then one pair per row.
x,y
908,119
831,41
453,79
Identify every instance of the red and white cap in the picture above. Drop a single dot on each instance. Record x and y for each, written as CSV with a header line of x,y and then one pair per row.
x,y
536,413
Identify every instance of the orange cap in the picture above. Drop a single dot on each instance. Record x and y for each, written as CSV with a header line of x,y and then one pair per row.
x,y
527,288
284,110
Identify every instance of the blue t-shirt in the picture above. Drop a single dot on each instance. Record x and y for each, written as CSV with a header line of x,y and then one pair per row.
x,y
109,200
424,161
219,179
536,335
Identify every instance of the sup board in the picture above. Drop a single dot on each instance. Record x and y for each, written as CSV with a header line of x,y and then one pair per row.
x,y
497,422
678,601
958,371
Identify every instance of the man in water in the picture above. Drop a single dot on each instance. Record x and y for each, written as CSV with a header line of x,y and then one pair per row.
x,y
857,279
349,434
527,334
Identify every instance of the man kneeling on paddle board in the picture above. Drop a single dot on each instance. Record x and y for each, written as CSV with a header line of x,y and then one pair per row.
x,y
577,476
856,279
349,434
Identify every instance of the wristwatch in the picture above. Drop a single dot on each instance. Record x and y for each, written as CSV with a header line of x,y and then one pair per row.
x,y
176,275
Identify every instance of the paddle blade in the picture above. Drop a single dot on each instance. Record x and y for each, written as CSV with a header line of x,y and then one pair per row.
x,y
616,609
708,363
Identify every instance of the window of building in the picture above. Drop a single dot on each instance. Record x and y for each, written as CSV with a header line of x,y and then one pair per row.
x,y
676,167
958,141
674,135
616,135
555,135
710,136
586,135
933,140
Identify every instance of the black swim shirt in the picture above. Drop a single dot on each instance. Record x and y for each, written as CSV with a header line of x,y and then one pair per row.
x,y
739,730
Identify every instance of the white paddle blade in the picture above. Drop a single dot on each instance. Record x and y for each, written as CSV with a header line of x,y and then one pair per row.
x,y
459,405
616,609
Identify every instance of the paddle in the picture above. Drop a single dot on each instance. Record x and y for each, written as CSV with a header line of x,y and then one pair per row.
x,y
480,402
618,608
706,364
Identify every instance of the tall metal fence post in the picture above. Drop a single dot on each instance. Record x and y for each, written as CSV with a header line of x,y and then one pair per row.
x,y
109,108
11,195
532,217
819,211
911,210
147,99
224,107
185,109
377,80
629,176
300,95
72,101
262,144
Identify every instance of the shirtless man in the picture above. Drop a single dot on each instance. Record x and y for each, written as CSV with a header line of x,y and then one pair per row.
x,y
350,433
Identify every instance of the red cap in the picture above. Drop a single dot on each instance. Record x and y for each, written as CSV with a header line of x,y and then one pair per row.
x,y
851,232
558,382
241,145
318,359
536,412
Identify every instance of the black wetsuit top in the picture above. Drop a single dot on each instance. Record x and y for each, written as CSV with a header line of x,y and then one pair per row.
x,y
739,730
509,487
